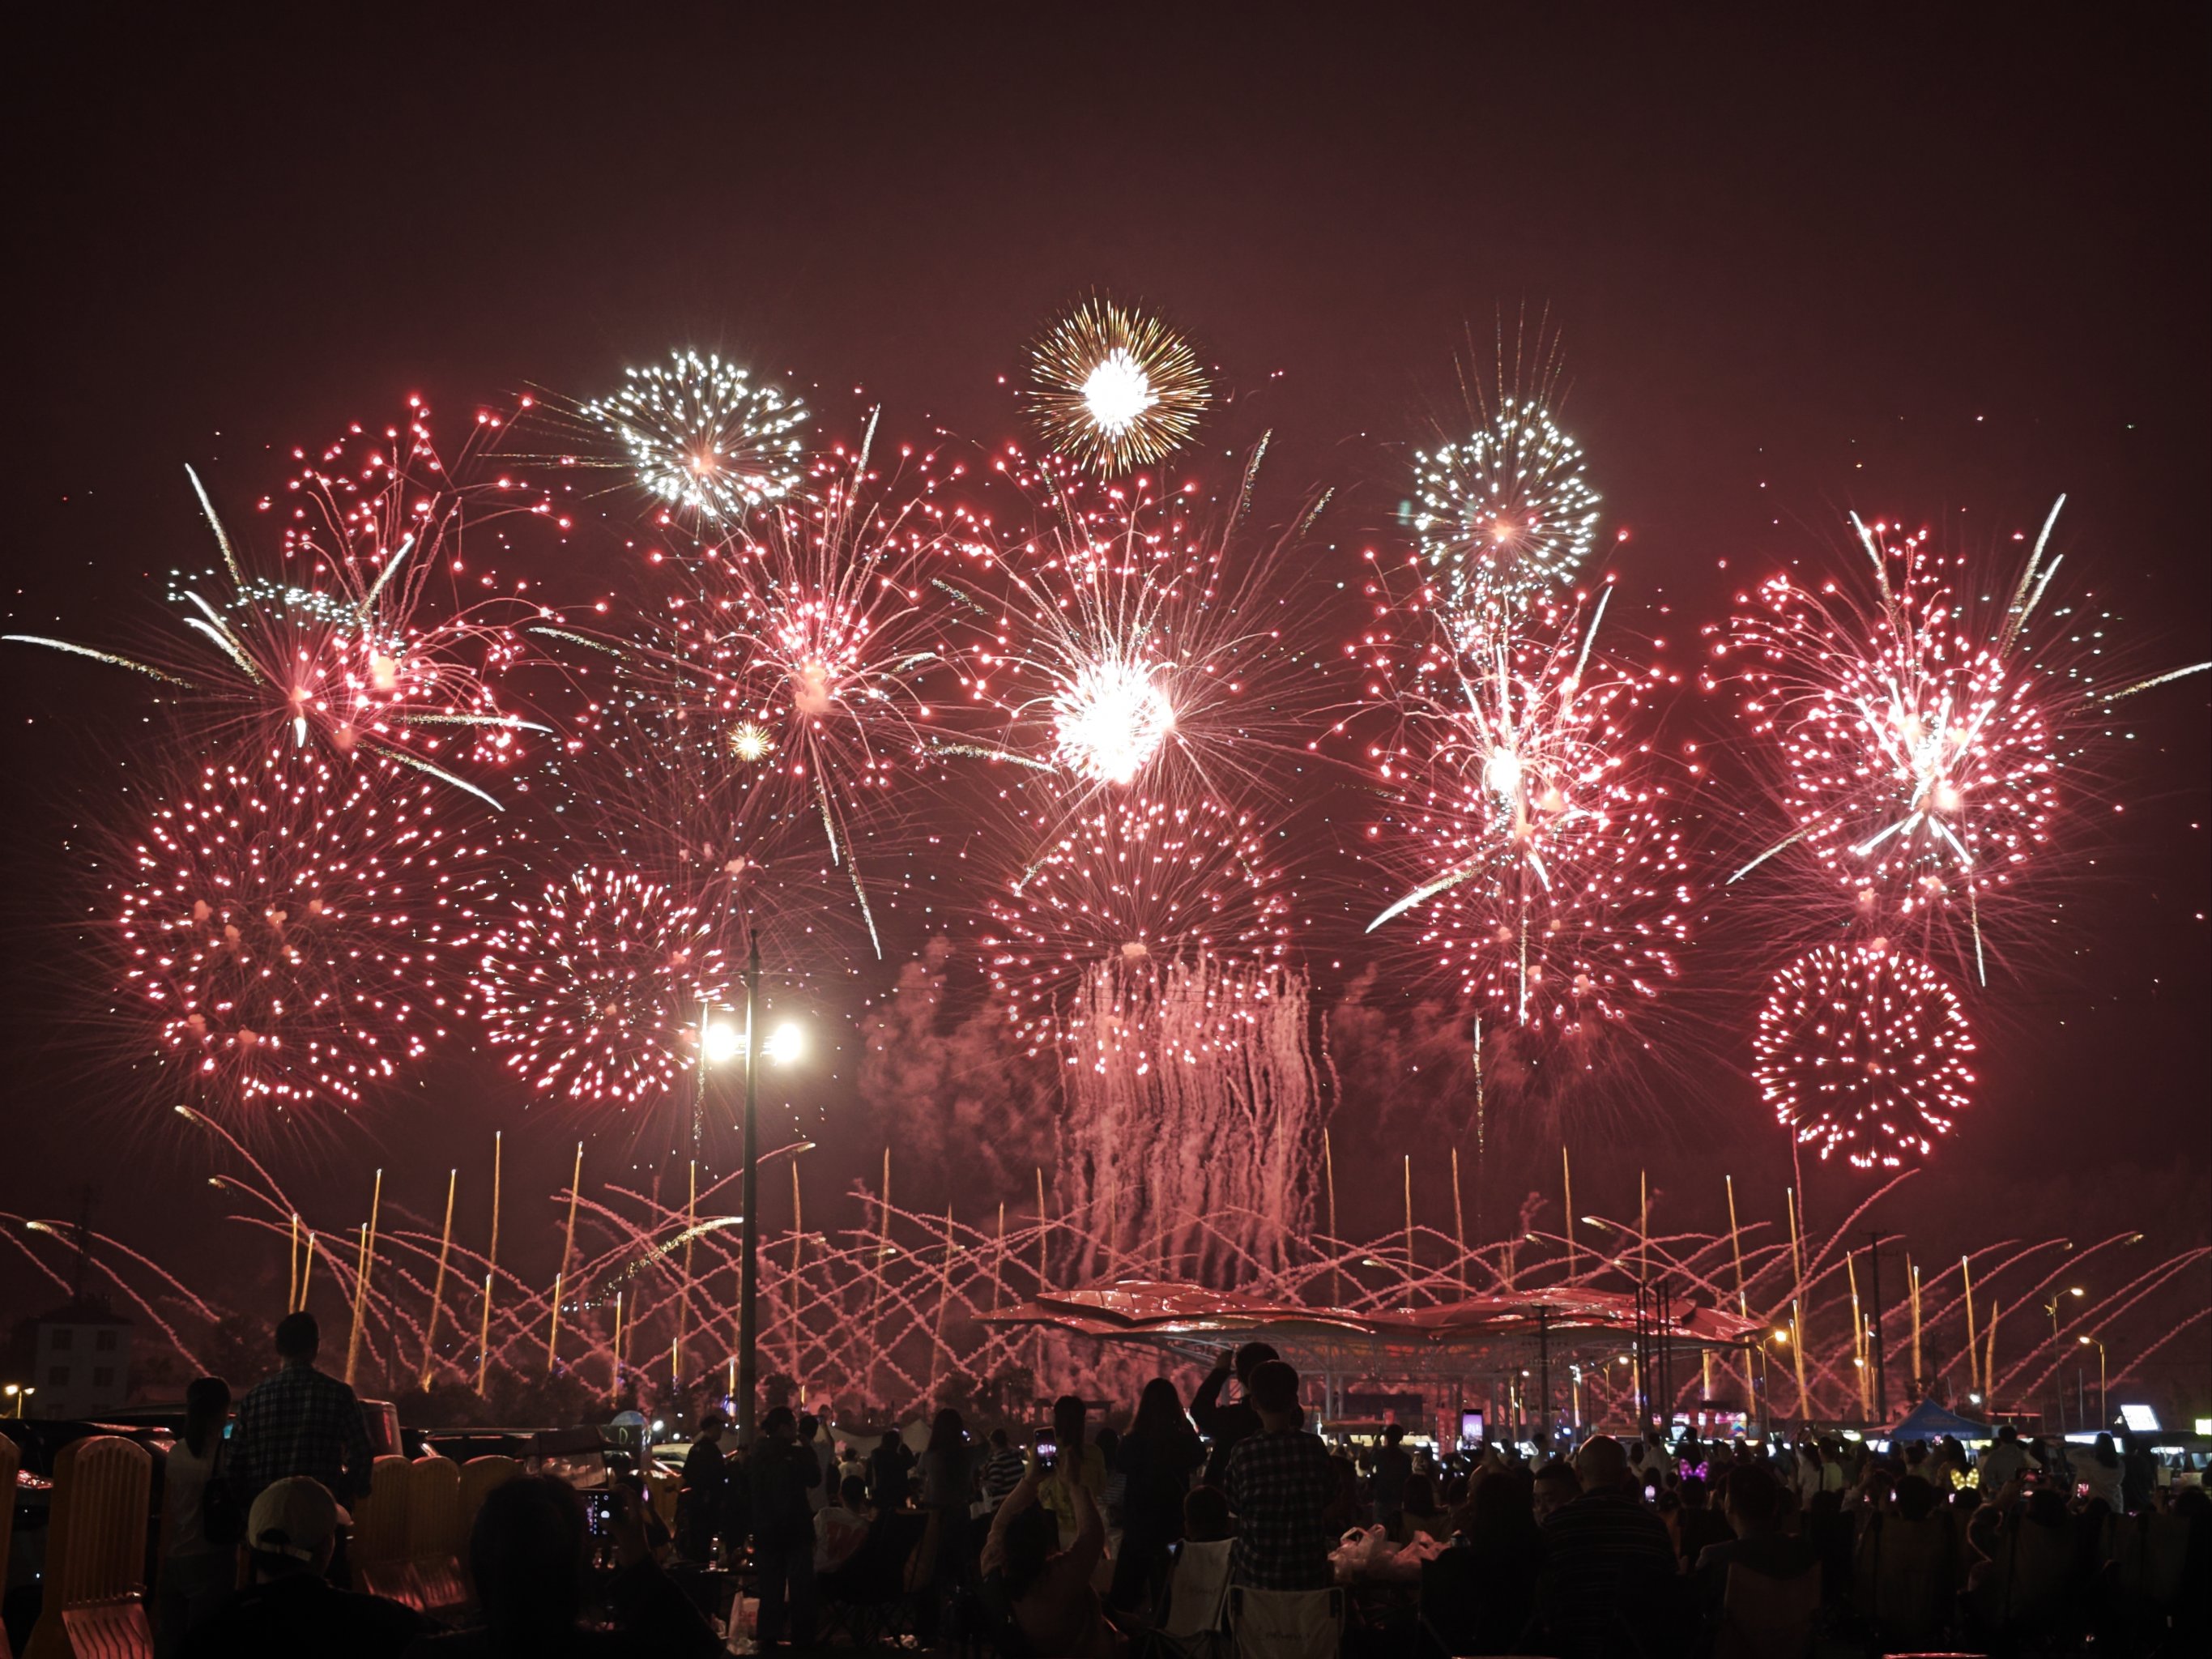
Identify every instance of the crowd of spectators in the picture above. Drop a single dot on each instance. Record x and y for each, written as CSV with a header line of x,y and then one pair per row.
x,y
1073,1540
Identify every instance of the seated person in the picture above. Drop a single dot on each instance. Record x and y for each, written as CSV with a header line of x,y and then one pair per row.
x,y
291,1607
527,1552
1751,1499
1047,1590
1206,1516
840,1529
1419,1515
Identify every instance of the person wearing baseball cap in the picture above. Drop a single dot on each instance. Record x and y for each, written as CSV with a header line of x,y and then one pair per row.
x,y
291,1607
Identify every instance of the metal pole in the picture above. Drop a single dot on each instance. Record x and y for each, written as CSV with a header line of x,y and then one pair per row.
x,y
1880,1371
749,1240
1544,1365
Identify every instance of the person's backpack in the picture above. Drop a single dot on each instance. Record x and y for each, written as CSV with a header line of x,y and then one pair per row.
x,y
223,1517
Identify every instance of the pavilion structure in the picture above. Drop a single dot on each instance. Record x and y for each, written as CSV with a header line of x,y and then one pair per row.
x,y
1469,1345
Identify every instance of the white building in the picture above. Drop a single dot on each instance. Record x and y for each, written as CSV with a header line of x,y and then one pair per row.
x,y
81,1362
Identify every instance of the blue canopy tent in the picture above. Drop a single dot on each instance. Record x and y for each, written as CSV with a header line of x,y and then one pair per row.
x,y
1929,1421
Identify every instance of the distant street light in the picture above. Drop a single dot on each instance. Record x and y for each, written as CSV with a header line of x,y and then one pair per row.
x,y
2104,1411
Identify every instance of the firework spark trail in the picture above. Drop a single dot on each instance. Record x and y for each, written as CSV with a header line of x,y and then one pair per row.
x,y
1135,640
790,657
2112,1307
1191,1094
1115,390
881,1314
1136,884
59,1229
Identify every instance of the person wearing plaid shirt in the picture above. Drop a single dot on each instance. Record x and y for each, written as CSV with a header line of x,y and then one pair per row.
x,y
300,1422
1284,1487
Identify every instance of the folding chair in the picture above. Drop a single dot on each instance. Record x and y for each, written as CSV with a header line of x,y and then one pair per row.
x,y
1285,1624
1197,1600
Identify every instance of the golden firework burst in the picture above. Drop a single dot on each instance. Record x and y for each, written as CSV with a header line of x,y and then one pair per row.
x,y
749,743
1114,389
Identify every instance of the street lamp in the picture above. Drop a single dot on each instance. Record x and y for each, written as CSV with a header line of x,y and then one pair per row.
x,y
2104,1411
20,1393
723,1043
2051,1307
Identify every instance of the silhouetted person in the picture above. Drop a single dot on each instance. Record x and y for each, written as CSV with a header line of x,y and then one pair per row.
x,y
291,1608
781,1473
706,1480
197,1570
527,1552
1394,1467
1047,1589
1225,1425
300,1422
888,1468
1608,1583
1159,1455
1285,1487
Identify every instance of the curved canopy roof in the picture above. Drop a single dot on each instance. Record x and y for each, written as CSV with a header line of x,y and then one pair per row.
x,y
1570,1318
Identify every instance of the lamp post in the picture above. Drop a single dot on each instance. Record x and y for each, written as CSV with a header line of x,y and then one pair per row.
x,y
782,1047
749,1197
2104,1410
2051,1307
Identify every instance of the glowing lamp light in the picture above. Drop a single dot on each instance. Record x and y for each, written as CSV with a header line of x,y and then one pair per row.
x,y
785,1044
724,1040
1117,392
724,1043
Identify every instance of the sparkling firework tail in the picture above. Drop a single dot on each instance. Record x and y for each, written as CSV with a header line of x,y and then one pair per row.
x,y
108,657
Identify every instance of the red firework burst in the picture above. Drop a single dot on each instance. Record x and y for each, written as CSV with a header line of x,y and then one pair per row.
x,y
1134,887
1863,1050
599,987
290,926
1916,737
1133,638
370,627
1530,837
795,658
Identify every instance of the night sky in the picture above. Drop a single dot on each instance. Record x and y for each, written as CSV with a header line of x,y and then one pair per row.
x,y
1937,267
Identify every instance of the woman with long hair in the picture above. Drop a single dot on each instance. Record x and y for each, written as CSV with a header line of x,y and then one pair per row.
x,y
1075,1462
1159,1454
196,1570
2099,1474
948,1467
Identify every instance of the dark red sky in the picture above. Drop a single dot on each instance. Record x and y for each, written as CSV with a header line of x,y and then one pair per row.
x,y
1947,259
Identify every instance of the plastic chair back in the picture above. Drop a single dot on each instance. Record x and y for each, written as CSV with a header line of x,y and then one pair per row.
x,y
109,1630
95,1541
379,1520
433,1508
11,1461
1767,1618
